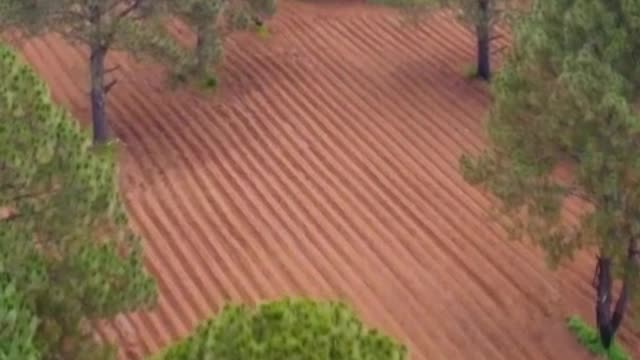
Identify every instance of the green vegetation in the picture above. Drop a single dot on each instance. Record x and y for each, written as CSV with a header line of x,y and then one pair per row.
x,y
285,329
66,253
589,338
211,21
138,27
129,25
565,99
17,324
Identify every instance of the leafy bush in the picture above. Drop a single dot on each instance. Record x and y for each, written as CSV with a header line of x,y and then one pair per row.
x,y
285,329
589,338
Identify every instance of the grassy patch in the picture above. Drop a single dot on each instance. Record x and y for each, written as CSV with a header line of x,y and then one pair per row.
x,y
589,338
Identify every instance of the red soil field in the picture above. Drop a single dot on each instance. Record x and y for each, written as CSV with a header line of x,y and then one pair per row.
x,y
327,167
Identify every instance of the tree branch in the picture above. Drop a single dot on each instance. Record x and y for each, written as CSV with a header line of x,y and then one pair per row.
x,y
577,192
596,273
32,194
11,216
110,85
128,10
110,70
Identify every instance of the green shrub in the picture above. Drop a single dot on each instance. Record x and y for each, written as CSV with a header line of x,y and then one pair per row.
x,y
285,329
589,338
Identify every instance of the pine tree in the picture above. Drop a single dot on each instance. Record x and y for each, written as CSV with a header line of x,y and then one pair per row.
x,y
67,255
211,21
285,329
100,25
480,15
566,100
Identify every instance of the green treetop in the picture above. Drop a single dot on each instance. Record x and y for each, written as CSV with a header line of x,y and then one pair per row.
x,y
565,99
67,255
100,25
211,21
285,329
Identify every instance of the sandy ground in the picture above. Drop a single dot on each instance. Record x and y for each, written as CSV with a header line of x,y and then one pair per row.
x,y
327,166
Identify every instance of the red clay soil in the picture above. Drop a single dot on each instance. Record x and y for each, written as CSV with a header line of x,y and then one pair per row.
x,y
328,167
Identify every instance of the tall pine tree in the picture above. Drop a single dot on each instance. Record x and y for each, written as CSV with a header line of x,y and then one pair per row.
x,y
480,15
566,99
212,21
67,255
101,26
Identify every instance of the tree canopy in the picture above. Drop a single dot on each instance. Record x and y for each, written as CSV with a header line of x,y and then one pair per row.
x,y
211,22
285,329
100,25
67,254
565,99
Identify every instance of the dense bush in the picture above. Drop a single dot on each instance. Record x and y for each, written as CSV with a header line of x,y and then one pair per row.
x,y
285,329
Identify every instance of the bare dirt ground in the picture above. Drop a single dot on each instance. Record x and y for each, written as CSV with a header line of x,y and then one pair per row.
x,y
327,166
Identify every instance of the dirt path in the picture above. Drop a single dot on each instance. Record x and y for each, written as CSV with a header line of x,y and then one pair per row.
x,y
327,167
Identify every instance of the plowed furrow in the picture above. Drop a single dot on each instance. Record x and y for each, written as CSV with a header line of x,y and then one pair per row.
x,y
439,35
243,198
389,252
435,149
324,227
363,137
172,287
180,145
413,132
328,168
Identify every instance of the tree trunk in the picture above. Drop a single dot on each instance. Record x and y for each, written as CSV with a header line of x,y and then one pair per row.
x,y
98,95
608,324
202,50
97,72
483,37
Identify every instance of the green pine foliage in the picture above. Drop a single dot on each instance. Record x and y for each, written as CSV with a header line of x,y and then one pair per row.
x,y
212,21
566,100
100,26
18,324
127,25
67,254
588,337
285,329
